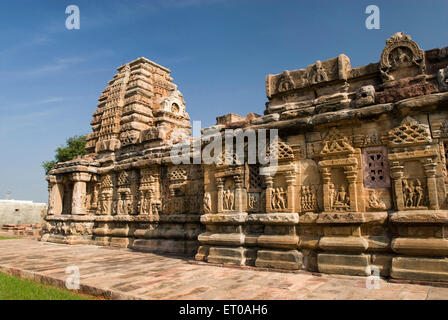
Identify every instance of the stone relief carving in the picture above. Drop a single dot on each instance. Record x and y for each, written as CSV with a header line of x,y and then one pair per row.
x,y
106,195
124,204
281,151
375,203
286,82
229,200
317,73
253,200
442,78
149,199
336,143
367,140
129,137
279,199
339,198
365,96
400,51
443,130
308,199
410,132
106,202
414,194
207,203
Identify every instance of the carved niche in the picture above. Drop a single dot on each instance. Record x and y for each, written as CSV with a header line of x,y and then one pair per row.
x,y
339,168
92,196
230,183
174,201
149,191
413,159
280,180
106,193
126,193
401,52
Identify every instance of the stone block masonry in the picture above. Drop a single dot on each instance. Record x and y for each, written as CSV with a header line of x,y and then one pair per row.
x,y
360,182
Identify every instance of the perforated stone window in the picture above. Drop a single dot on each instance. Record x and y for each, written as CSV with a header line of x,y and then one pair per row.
x,y
255,180
376,167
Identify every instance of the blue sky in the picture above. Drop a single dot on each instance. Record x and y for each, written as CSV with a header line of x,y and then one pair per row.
x,y
219,52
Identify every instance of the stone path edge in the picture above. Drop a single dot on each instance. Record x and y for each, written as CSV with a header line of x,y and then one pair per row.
x,y
83,288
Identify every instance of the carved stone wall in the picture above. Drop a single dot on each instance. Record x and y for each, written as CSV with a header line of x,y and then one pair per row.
x,y
360,179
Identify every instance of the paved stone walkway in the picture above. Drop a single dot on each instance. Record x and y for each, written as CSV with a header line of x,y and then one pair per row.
x,y
125,274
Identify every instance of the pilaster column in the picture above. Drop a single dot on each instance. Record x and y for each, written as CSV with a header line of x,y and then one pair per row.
x,y
55,195
269,181
134,192
396,172
430,171
351,174
326,178
291,190
240,195
79,192
220,187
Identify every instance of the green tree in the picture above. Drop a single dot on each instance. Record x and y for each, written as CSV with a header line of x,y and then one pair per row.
x,y
74,147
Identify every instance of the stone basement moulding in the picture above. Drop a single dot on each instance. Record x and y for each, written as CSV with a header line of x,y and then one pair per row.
x,y
361,179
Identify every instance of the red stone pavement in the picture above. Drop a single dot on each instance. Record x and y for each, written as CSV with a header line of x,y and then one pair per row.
x,y
125,274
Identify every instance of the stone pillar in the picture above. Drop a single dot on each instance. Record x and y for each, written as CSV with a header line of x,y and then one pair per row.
x,y
134,192
220,187
240,195
351,174
396,172
291,191
430,171
56,192
326,178
80,180
269,180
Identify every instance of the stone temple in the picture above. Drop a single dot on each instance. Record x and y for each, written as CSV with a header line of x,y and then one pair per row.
x,y
360,181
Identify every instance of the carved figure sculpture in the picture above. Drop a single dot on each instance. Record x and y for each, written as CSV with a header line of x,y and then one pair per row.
x,y
229,199
319,74
374,202
278,201
408,193
308,199
105,204
341,200
418,194
207,202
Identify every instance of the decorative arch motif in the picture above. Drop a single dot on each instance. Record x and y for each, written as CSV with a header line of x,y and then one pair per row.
x,y
336,143
400,50
409,132
286,82
174,103
281,151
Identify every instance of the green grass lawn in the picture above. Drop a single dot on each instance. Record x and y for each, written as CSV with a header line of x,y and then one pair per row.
x,y
14,288
7,238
